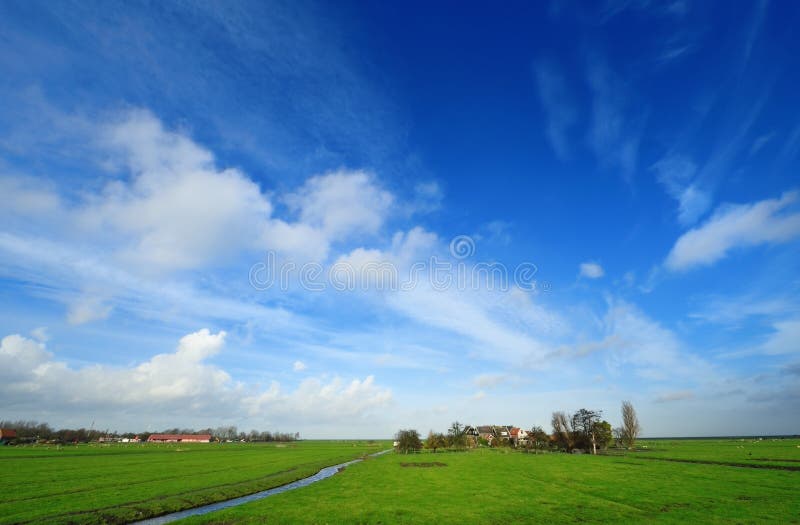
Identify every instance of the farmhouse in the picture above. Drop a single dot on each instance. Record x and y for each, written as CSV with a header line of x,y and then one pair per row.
x,y
7,435
519,436
179,438
486,432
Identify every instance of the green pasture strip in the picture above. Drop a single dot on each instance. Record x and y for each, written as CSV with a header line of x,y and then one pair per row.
x,y
766,451
489,486
88,484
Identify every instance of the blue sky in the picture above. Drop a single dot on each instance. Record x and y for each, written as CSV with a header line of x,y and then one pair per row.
x,y
638,159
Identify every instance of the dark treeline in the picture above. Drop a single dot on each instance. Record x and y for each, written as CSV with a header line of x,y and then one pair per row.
x,y
33,431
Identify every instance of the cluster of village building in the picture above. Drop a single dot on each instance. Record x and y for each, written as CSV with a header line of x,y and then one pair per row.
x,y
515,435
8,435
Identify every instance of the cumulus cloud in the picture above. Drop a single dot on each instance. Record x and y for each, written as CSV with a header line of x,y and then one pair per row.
x,y
736,226
19,357
299,366
181,386
341,203
170,207
325,402
591,270
176,210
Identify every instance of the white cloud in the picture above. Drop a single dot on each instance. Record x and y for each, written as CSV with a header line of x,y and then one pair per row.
x,y
177,210
27,197
342,203
477,396
591,270
499,325
735,226
654,352
20,357
785,339
299,366
52,264
732,310
676,173
147,148
40,334
86,309
179,387
325,402
171,208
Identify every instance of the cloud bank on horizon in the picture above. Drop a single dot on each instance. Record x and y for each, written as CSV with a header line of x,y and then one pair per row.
x,y
321,224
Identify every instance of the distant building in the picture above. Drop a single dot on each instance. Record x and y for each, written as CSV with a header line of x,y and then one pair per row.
x,y
6,435
486,432
179,438
519,436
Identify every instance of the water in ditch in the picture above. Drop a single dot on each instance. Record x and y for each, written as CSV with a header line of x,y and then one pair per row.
x,y
205,509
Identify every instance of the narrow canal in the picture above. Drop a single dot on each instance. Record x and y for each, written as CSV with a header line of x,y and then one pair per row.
x,y
235,502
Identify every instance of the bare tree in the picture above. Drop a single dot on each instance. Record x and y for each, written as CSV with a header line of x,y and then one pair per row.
x,y
630,425
562,430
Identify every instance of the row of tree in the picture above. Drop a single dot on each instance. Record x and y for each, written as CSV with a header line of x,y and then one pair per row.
x,y
32,431
583,430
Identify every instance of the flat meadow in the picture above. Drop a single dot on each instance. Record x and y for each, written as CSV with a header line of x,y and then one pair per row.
x,y
686,481
679,481
120,483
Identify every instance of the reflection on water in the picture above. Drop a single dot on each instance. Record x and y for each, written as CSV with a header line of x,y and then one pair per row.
x,y
205,509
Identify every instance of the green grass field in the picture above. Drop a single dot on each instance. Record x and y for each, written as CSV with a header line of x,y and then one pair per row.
x,y
122,483
687,481
489,486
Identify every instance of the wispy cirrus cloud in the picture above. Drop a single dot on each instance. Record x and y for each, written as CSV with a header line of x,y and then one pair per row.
x,y
672,397
677,174
770,221
559,105
784,338
614,132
